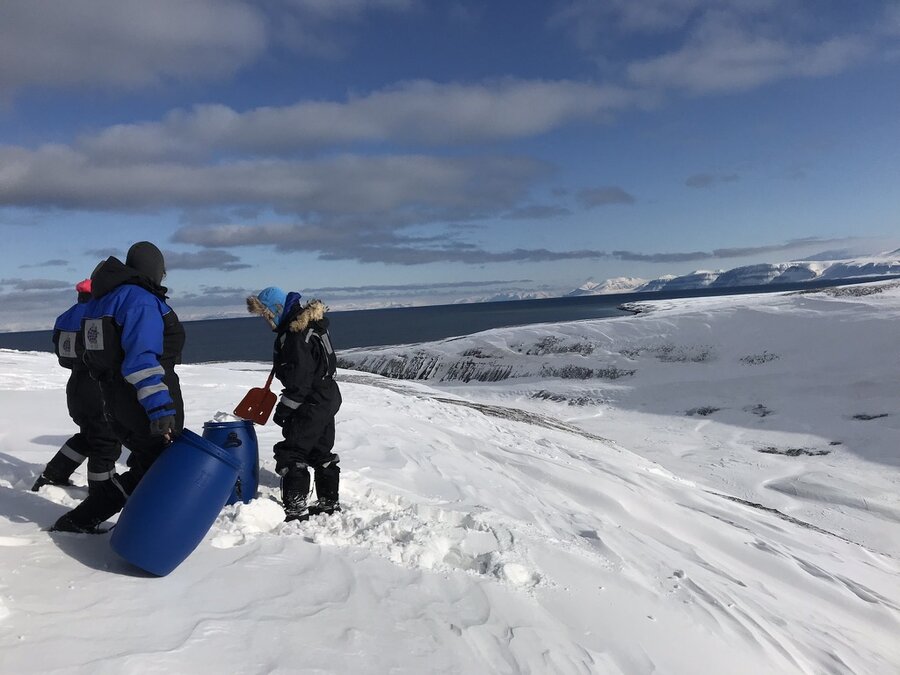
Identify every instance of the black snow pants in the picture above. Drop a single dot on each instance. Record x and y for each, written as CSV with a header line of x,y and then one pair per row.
x,y
95,440
308,438
129,422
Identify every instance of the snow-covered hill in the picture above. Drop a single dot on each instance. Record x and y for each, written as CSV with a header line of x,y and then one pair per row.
x,y
758,378
708,487
616,285
506,297
757,275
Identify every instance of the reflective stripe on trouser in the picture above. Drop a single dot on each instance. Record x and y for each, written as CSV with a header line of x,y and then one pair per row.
x,y
70,453
107,482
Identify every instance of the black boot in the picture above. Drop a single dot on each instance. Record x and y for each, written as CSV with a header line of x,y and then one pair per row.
x,y
294,492
324,507
44,479
101,503
328,480
60,467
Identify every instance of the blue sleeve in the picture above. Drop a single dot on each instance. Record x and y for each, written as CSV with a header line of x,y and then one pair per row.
x,y
142,342
70,319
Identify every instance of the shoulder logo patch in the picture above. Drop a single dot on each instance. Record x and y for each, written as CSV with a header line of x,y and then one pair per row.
x,y
67,345
93,334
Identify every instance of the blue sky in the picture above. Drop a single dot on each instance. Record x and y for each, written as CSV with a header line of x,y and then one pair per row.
x,y
401,151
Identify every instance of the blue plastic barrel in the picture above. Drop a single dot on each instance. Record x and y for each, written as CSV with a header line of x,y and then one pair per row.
x,y
175,504
239,439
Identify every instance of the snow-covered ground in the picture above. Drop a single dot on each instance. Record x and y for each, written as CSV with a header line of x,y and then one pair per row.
x,y
709,486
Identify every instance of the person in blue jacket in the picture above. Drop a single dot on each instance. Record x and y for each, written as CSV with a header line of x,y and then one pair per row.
x,y
132,341
94,441
305,364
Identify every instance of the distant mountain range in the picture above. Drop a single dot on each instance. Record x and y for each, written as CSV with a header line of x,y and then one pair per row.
x,y
751,275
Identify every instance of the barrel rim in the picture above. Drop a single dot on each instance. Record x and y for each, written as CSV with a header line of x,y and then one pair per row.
x,y
210,448
224,425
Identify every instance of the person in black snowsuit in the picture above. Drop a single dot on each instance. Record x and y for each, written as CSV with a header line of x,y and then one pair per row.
x,y
305,364
132,341
94,441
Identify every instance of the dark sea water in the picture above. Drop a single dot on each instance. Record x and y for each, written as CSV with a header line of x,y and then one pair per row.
x,y
249,339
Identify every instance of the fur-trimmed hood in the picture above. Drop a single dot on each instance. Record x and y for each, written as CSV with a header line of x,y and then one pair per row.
x,y
298,318
312,311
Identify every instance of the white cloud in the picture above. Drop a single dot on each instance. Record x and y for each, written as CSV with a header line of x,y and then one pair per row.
x,y
390,246
124,43
595,24
140,43
203,260
35,284
723,58
420,112
723,45
407,187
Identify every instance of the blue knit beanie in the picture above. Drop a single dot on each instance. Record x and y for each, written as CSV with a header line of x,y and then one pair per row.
x,y
273,298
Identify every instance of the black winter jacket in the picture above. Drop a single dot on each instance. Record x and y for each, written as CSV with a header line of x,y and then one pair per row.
x,y
304,359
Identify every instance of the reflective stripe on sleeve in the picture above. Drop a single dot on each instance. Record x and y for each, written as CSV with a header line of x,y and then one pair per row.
x,y
289,402
144,392
136,377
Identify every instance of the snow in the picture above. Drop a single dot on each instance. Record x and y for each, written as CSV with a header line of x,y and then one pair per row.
x,y
610,286
529,524
884,264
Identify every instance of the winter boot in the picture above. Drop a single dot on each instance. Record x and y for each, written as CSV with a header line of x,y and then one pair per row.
x,y
58,470
294,492
44,479
328,478
99,505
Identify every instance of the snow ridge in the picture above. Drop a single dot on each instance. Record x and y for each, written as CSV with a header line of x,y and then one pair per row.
x,y
753,275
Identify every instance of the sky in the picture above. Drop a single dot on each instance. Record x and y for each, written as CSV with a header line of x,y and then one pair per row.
x,y
378,152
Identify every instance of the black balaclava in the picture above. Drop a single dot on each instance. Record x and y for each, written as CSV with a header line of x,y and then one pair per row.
x,y
148,260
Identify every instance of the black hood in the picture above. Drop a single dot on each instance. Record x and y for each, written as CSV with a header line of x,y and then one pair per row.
x,y
147,259
113,273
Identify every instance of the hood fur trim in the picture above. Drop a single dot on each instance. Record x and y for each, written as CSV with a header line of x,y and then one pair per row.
x,y
254,306
314,310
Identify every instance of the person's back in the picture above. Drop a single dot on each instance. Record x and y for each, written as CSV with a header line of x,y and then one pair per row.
x,y
94,441
132,341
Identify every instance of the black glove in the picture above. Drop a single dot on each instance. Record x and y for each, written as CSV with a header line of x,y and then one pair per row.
x,y
163,426
282,414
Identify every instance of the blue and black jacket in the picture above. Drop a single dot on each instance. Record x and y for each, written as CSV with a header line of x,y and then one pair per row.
x,y
65,334
130,335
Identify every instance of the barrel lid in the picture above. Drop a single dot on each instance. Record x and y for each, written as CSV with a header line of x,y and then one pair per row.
x,y
212,424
